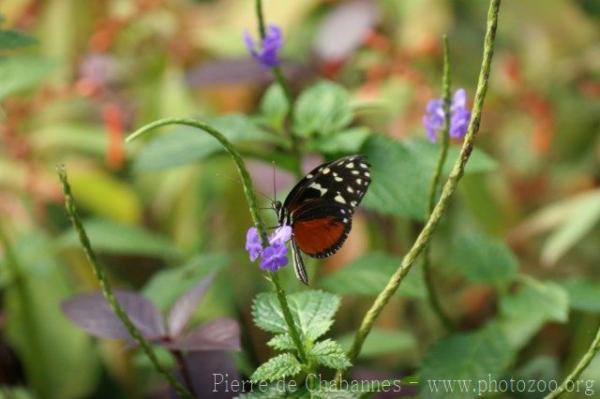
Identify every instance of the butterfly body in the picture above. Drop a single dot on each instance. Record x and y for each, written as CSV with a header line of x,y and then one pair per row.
x,y
320,208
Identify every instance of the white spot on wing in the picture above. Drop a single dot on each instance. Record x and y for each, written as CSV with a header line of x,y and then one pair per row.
x,y
338,179
353,203
363,165
339,198
350,190
318,187
326,171
359,181
350,165
345,220
309,176
367,174
355,172
342,211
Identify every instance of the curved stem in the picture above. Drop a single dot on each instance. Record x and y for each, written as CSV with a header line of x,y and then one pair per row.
x,y
449,188
432,295
581,365
252,205
107,289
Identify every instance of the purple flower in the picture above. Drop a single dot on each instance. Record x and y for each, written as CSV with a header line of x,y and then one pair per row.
x,y
274,256
267,52
459,116
253,244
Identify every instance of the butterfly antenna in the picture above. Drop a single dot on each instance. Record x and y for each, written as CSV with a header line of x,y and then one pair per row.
x,y
274,182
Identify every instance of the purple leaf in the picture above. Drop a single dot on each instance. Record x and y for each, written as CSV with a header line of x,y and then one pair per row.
x,y
345,28
218,334
93,314
184,308
213,374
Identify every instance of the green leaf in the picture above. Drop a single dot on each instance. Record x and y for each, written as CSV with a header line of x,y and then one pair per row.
x,y
482,259
322,109
167,285
92,188
583,294
282,342
526,311
183,144
381,342
274,106
472,356
21,72
401,173
428,152
329,354
583,217
312,311
11,39
348,141
276,368
59,342
369,274
400,182
117,238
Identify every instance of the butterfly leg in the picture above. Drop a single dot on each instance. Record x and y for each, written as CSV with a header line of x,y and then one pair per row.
x,y
299,267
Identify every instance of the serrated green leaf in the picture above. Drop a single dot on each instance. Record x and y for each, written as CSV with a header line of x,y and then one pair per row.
x,y
184,145
322,109
369,274
381,342
583,294
526,311
274,106
401,173
276,368
167,285
282,342
312,311
472,356
482,259
21,72
267,313
117,238
11,39
329,354
348,141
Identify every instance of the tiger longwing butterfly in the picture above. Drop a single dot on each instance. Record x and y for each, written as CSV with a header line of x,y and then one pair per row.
x,y
320,207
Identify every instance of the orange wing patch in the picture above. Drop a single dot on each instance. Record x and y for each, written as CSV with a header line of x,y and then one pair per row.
x,y
319,237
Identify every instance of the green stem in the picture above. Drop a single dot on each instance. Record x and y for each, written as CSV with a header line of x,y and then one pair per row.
x,y
36,359
288,317
449,188
581,365
432,295
282,82
252,205
107,290
262,30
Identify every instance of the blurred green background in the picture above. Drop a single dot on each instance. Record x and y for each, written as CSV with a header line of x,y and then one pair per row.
x,y
162,214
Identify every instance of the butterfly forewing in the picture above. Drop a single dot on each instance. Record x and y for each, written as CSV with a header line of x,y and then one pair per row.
x,y
321,205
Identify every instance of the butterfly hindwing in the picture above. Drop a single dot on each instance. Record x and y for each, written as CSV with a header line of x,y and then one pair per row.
x,y
321,227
